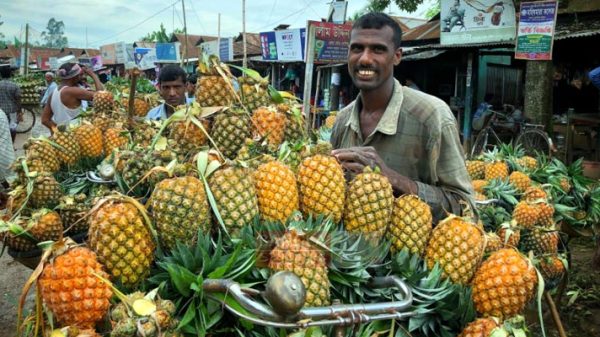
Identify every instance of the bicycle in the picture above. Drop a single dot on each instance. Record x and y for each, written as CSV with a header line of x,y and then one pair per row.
x,y
27,119
531,137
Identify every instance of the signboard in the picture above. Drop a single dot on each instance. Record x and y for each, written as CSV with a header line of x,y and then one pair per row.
x,y
96,62
43,62
477,21
108,53
536,30
268,46
53,61
337,11
289,44
168,52
225,50
331,41
145,58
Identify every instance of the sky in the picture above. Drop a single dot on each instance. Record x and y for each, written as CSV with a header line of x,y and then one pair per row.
x,y
92,23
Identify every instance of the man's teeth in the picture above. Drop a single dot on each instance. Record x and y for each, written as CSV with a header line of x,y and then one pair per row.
x,y
366,72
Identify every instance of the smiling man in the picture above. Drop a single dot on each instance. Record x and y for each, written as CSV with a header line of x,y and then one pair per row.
x,y
411,136
171,86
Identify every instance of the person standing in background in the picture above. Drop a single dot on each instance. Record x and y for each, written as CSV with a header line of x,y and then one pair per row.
x,y
10,99
7,152
190,88
50,89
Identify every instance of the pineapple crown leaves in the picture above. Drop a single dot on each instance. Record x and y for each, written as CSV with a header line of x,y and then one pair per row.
x,y
501,189
205,169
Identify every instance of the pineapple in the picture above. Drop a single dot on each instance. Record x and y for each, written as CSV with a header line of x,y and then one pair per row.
x,y
520,181
46,191
295,253
478,185
73,209
41,150
144,132
121,239
213,89
102,121
269,123
68,150
410,225
552,269
114,138
481,327
44,225
545,214
330,120
540,241
134,167
140,106
565,184
295,129
277,191
534,193
509,235
458,246
89,138
480,196
493,242
476,169
527,162
180,209
235,195
229,131
525,214
103,101
254,92
503,284
322,187
187,137
70,286
497,169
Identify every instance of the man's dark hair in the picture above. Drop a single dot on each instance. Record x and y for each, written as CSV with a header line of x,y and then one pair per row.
x,y
378,21
5,71
171,72
192,78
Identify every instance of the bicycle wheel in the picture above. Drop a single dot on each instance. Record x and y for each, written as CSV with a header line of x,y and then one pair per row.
x,y
480,143
534,141
28,121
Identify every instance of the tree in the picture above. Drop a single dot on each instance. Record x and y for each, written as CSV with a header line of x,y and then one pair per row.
x,y
54,36
159,36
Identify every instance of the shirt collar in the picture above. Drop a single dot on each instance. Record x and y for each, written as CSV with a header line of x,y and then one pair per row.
x,y
388,124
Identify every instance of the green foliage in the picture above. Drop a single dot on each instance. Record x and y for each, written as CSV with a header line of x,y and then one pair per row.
x,y
159,36
54,36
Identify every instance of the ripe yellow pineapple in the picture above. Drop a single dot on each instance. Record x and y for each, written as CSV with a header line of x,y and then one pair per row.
x,y
89,138
46,191
72,210
330,120
494,243
565,184
235,195
230,130
509,235
457,245
545,214
277,191
140,106
268,122
212,89
534,193
187,137
44,225
295,253
503,284
552,269
478,185
481,327
540,241
114,138
69,150
122,240
102,121
527,162
70,287
103,101
520,181
322,187
480,196
180,209
476,169
496,170
410,225
525,214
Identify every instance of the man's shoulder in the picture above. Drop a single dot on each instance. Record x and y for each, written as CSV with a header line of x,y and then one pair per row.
x,y
427,108
344,114
155,113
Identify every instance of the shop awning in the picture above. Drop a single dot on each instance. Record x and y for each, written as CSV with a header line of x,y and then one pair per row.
x,y
422,54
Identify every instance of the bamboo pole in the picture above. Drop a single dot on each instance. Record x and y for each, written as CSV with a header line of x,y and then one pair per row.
x,y
555,315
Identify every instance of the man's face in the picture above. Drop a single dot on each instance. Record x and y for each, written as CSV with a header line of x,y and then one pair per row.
x,y
372,57
191,88
48,79
173,92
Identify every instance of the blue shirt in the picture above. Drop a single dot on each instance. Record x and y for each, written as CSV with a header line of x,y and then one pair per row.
x,y
481,109
48,92
157,113
595,77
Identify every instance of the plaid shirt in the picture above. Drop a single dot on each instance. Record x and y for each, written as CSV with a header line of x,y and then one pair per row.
x,y
10,94
7,153
417,137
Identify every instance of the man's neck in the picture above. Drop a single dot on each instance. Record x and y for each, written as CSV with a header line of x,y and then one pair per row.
x,y
374,101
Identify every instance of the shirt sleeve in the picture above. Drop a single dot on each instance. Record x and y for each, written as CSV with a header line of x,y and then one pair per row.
x,y
595,77
453,190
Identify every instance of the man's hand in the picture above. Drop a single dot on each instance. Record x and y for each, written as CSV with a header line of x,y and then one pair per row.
x,y
355,159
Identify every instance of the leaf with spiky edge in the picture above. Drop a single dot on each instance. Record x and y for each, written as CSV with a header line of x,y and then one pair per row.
x,y
501,189
493,216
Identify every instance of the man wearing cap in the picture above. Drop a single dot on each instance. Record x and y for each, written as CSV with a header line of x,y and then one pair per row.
x,y
50,89
64,103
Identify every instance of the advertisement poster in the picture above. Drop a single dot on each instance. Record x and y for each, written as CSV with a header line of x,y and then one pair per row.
x,y
268,46
224,51
289,45
168,52
145,58
96,62
108,53
477,21
331,41
123,53
536,30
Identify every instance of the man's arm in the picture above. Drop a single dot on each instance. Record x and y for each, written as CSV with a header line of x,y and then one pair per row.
x,y
47,115
97,84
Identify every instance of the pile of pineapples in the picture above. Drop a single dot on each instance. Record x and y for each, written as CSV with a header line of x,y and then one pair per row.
x,y
233,186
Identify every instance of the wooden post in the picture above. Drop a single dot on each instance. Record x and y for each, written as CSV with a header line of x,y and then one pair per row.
x,y
308,74
26,59
135,72
245,59
468,104
314,117
185,43
555,315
